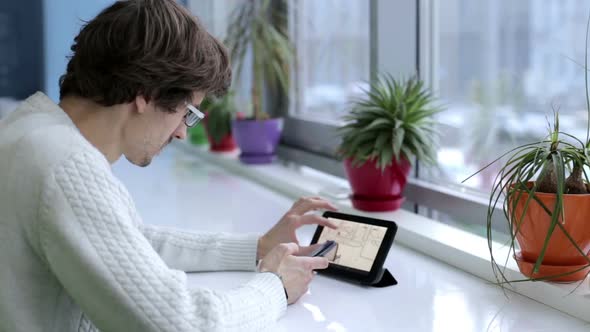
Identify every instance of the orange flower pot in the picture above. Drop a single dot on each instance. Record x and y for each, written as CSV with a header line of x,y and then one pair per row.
x,y
535,226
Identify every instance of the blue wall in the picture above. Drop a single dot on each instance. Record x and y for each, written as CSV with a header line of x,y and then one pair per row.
x,y
62,22
21,48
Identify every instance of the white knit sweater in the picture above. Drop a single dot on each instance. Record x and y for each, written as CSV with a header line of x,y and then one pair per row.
x,y
75,256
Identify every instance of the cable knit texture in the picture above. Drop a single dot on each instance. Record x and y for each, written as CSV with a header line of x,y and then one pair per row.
x,y
77,257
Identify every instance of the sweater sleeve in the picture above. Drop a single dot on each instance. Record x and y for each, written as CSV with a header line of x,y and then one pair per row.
x,y
111,271
191,251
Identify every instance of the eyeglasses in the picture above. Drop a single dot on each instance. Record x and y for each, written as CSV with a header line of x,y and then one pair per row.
x,y
192,116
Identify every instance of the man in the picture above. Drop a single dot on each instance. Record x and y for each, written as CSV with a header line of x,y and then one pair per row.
x,y
75,255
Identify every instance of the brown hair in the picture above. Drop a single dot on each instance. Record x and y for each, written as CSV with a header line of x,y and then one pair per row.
x,y
153,48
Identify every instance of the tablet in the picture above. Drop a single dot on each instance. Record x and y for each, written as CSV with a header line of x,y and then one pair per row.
x,y
362,245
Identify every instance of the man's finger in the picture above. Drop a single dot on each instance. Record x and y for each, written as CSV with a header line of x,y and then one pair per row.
x,y
305,205
306,251
287,249
314,219
330,207
318,263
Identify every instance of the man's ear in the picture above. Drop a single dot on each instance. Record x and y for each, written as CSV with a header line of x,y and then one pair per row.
x,y
141,104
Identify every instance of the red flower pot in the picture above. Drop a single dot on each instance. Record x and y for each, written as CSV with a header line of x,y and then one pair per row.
x,y
376,190
226,144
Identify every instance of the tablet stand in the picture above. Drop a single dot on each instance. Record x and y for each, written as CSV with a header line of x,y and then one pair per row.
x,y
386,279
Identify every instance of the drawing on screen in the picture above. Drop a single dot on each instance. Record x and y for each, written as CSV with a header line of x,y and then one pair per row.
x,y
358,244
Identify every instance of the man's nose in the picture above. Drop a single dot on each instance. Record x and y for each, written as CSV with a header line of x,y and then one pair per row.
x,y
180,132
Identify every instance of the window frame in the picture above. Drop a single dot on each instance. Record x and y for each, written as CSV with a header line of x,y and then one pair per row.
x,y
314,144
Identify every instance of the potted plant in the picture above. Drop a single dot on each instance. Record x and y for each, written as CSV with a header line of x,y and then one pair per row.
x,y
218,116
547,206
258,28
546,203
386,127
197,135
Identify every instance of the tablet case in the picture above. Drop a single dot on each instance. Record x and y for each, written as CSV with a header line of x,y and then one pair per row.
x,y
386,279
383,278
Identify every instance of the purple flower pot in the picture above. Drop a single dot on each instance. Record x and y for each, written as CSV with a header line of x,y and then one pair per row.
x,y
257,139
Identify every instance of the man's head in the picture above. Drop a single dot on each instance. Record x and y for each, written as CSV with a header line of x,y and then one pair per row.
x,y
151,57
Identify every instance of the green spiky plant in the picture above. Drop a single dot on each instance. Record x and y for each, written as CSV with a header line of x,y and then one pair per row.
x,y
260,26
544,164
540,167
220,111
394,119
197,135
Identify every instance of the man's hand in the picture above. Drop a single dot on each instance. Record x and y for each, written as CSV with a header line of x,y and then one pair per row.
x,y
296,272
284,230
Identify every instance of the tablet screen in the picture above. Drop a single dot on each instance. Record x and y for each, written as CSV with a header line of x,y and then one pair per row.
x,y
357,244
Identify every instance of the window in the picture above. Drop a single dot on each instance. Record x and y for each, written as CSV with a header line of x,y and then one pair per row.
x,y
498,65
501,67
215,15
332,62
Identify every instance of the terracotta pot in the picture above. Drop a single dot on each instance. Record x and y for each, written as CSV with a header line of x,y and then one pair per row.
x,y
536,222
566,273
376,190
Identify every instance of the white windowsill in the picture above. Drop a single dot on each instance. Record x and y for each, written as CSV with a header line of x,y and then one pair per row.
x,y
453,246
